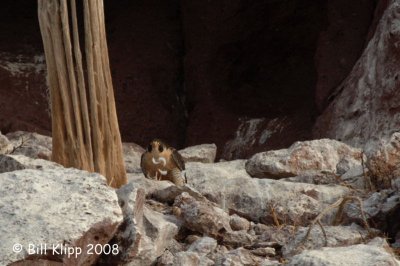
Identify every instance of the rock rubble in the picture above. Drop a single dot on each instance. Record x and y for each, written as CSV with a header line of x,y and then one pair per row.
x,y
229,213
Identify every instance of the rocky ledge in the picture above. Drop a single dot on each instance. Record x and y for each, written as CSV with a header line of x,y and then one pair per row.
x,y
318,202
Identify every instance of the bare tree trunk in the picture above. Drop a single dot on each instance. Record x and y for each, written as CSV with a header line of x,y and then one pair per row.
x,y
84,119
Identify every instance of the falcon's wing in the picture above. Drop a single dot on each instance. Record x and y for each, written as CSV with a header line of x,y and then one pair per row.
x,y
177,157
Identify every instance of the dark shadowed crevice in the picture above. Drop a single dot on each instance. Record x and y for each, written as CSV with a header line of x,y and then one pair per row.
x,y
180,83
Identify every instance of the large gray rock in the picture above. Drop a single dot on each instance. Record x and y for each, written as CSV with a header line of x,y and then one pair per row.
x,y
35,146
377,205
5,145
31,144
229,185
374,253
158,231
383,208
131,199
336,236
55,207
202,216
305,158
163,191
204,153
132,156
145,234
9,163
150,186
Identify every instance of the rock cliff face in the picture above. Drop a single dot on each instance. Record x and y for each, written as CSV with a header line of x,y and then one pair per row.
x,y
366,105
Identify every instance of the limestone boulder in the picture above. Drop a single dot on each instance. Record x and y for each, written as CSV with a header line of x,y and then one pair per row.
x,y
10,163
376,252
163,191
381,208
234,190
36,146
336,236
305,158
204,153
145,234
131,200
58,208
5,145
31,144
150,186
202,216
157,232
132,156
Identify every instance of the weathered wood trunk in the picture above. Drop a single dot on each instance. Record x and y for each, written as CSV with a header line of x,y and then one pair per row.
x,y
84,119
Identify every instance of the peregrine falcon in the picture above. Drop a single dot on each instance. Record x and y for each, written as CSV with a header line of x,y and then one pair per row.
x,y
162,162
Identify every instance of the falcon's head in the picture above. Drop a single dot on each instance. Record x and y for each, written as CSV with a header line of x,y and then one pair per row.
x,y
157,148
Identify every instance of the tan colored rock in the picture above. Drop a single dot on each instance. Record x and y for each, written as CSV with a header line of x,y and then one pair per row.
x,y
204,153
304,158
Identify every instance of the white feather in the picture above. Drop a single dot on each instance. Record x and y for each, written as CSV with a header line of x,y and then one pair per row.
x,y
162,172
160,160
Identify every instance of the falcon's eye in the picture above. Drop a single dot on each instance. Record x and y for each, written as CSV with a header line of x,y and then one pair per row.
x,y
160,148
149,148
